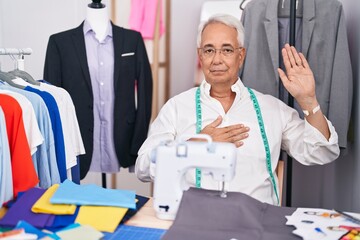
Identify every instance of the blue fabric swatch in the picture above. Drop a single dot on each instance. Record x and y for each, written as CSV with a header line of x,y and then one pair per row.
x,y
91,194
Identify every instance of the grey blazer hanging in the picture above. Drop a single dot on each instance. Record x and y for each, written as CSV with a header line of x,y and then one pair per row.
x,y
324,44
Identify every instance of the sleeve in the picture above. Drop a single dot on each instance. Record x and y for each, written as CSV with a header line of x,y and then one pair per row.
x,y
341,84
305,143
144,96
162,130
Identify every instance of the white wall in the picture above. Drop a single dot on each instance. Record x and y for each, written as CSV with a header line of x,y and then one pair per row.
x,y
29,24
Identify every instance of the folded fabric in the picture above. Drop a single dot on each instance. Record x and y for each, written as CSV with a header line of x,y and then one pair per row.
x,y
141,200
21,210
77,231
43,205
91,194
104,219
21,235
33,230
61,221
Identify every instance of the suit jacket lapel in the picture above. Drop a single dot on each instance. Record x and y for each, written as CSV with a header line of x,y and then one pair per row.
x,y
308,24
271,29
79,43
118,41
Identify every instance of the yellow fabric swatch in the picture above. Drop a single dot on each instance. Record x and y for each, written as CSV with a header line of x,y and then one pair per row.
x,y
102,218
2,212
43,204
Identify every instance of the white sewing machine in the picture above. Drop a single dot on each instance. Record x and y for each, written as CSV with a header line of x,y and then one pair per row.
x,y
174,159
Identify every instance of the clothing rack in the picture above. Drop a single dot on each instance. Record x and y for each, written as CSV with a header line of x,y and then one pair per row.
x,y
20,63
291,104
15,51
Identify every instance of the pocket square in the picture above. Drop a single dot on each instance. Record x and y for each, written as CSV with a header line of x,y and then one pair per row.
x,y
127,54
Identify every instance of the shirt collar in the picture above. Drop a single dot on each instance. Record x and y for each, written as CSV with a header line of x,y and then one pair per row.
x,y
87,28
238,87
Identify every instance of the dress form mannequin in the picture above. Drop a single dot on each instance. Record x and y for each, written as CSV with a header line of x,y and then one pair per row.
x,y
98,17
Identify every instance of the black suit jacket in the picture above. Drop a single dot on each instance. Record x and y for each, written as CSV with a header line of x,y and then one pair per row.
x,y
66,66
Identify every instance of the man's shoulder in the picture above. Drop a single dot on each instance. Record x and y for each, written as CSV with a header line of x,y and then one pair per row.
x,y
188,94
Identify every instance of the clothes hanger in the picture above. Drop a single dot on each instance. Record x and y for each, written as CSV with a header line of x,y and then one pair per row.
x,y
8,77
22,74
284,8
241,5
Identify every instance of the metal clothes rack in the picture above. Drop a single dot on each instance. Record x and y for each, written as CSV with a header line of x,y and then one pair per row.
x,y
20,52
289,162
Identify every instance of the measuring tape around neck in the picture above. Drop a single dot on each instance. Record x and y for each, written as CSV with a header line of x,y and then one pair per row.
x,y
262,131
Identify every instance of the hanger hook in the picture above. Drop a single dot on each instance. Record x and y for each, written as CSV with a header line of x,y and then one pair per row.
x,y
241,5
15,60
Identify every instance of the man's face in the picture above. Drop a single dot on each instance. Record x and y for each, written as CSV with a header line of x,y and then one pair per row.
x,y
220,67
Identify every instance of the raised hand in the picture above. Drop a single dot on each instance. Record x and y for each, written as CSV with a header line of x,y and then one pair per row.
x,y
299,79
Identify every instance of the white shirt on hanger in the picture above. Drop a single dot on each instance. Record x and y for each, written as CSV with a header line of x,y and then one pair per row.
x,y
33,134
72,138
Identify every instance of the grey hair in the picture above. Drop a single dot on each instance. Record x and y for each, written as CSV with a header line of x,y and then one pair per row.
x,y
226,19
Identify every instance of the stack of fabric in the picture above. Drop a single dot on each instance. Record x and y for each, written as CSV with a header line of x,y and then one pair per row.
x,y
69,209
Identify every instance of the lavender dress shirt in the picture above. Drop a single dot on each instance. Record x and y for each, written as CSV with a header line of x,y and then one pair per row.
x,y
100,56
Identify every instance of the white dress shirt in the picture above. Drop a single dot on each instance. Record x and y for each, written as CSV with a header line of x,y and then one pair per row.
x,y
284,129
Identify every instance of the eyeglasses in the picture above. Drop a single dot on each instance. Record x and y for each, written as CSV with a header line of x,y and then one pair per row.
x,y
209,52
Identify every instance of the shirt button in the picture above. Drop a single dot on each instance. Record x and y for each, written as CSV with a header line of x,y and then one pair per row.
x,y
101,63
102,84
102,103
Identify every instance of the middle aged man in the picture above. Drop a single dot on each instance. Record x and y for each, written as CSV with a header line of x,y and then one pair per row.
x,y
259,125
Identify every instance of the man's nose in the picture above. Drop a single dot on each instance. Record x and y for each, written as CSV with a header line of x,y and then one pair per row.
x,y
217,55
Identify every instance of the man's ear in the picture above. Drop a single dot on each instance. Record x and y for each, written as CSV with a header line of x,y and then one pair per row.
x,y
198,50
242,56
199,56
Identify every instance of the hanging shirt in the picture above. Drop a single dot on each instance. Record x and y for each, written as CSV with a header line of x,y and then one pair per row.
x,y
45,156
284,129
6,188
56,127
100,56
143,17
33,134
73,142
23,171
71,132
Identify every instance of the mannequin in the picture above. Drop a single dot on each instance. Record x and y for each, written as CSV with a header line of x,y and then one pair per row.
x,y
98,17
99,64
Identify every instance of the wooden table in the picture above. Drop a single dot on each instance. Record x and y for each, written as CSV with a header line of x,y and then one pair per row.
x,y
146,217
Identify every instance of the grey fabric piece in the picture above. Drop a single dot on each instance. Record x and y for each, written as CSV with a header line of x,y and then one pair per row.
x,y
204,215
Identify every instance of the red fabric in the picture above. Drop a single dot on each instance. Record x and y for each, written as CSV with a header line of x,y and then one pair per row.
x,y
23,171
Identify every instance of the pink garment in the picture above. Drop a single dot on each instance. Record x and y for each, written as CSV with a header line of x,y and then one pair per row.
x,y
143,17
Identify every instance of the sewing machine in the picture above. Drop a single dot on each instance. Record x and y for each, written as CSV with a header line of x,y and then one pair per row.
x,y
174,159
